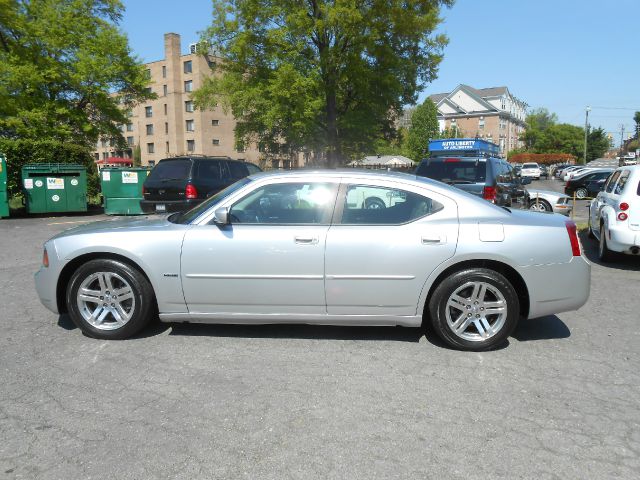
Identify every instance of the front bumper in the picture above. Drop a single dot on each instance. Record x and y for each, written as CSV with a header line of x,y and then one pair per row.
x,y
46,282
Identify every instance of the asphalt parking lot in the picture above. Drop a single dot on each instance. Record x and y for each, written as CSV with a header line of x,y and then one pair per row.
x,y
276,402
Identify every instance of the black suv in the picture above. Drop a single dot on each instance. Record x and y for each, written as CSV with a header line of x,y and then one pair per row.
x,y
491,178
179,183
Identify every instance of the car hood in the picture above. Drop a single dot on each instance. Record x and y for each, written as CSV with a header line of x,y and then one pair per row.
x,y
103,226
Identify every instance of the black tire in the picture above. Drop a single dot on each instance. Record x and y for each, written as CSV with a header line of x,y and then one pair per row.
x,y
542,206
374,203
582,193
604,254
139,300
439,309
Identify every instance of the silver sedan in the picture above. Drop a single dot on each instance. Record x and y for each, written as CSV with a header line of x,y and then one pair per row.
x,y
327,247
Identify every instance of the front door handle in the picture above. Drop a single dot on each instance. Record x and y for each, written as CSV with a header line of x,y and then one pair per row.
x,y
434,239
306,240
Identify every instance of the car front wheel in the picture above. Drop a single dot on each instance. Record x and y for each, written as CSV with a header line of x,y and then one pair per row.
x,y
110,300
474,309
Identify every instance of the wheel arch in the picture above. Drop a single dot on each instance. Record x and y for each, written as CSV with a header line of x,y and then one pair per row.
x,y
504,269
72,266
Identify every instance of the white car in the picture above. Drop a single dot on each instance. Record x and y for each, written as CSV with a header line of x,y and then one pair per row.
x,y
614,215
549,201
532,170
576,173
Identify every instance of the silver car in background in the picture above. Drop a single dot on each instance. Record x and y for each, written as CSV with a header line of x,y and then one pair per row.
x,y
549,201
309,247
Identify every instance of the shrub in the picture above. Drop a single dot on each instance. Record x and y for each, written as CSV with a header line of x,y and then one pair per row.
x,y
24,152
541,158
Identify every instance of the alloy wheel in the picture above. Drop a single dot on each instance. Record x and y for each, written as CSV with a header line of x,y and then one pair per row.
x,y
106,300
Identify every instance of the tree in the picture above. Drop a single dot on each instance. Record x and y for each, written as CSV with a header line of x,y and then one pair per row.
x,y
137,156
66,71
597,143
330,75
636,118
424,126
537,122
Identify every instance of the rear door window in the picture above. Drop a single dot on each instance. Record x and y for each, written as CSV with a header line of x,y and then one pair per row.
x,y
622,182
210,170
611,182
174,169
238,170
454,171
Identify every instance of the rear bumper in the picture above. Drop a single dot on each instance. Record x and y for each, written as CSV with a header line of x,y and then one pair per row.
x,y
156,206
557,288
621,239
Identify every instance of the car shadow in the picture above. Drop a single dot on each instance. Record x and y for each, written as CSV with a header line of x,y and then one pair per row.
x,y
543,328
156,327
300,331
621,261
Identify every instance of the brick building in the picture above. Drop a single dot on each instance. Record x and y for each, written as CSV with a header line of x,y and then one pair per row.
x,y
170,125
493,114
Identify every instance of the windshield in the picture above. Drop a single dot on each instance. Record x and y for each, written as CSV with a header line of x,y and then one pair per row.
x,y
454,171
190,215
165,170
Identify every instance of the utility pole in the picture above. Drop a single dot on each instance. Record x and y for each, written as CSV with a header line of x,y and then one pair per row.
x,y
621,137
586,133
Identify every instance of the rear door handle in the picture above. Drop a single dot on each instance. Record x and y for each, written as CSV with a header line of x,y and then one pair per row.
x,y
306,240
434,239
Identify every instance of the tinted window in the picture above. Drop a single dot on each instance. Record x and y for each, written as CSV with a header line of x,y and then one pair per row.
x,y
611,182
622,182
210,170
285,204
238,170
503,173
369,205
252,168
454,170
177,169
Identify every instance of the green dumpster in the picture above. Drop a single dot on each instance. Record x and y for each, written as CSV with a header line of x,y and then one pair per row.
x,y
55,187
122,189
4,196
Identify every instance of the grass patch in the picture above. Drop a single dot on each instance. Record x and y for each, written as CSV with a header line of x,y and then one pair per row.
x,y
582,226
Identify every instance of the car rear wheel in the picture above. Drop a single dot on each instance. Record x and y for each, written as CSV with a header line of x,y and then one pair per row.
x,y
474,309
540,206
110,300
374,203
604,254
582,193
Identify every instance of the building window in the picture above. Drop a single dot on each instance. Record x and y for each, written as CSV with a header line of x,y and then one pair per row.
x,y
481,123
164,71
164,90
150,129
215,123
148,112
188,67
150,148
189,124
130,141
188,86
104,143
165,108
104,155
215,141
167,147
188,106
166,127
148,90
129,127
147,73
191,145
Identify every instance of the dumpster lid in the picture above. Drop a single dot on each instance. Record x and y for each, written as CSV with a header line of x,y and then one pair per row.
x,y
53,166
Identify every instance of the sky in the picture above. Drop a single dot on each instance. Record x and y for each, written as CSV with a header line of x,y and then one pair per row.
x,y
563,55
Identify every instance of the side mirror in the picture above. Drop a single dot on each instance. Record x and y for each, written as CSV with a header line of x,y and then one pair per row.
x,y
221,216
526,180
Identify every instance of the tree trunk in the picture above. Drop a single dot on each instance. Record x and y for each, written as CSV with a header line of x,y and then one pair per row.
x,y
334,153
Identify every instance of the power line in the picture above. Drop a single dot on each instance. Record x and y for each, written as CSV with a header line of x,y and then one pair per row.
x,y
617,108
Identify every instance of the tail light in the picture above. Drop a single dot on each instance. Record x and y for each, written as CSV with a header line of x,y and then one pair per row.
x,y
144,191
573,238
191,192
45,259
624,206
489,193
622,216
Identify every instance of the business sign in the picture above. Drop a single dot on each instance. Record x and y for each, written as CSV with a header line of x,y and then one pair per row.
x,y
463,144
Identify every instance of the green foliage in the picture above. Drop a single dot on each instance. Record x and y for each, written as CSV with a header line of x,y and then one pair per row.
x,y
451,132
137,156
597,143
22,152
60,62
537,123
424,127
396,145
327,75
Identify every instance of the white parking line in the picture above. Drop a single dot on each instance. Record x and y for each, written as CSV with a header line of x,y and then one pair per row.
x,y
65,223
